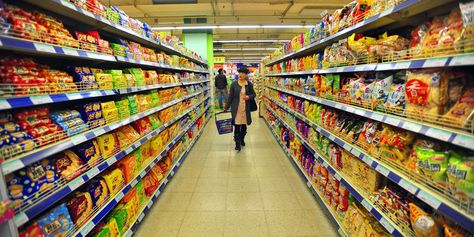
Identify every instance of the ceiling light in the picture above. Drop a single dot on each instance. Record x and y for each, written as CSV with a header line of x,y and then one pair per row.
x,y
282,26
308,26
164,28
251,41
195,27
239,27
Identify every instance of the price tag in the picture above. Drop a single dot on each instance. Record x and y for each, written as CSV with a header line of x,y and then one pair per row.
x,y
68,4
74,96
435,62
464,141
346,146
158,192
411,126
384,66
402,65
337,176
111,160
87,228
407,186
109,92
172,173
462,60
355,152
140,218
308,184
41,99
429,199
21,218
439,134
377,116
71,52
88,13
134,182
76,183
4,104
392,121
338,106
44,48
12,165
166,181
387,225
142,174
367,160
119,196
178,164
93,172
382,170
341,232
325,164
331,137
99,132
367,205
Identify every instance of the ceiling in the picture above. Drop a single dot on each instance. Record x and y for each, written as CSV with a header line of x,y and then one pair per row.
x,y
295,13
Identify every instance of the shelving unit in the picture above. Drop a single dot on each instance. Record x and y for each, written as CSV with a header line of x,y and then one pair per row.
x,y
193,99
297,84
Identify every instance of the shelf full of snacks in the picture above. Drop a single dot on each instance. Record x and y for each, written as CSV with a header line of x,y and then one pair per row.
x,y
115,21
86,110
395,95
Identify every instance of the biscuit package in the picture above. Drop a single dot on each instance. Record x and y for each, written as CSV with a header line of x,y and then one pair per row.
x,y
88,151
80,206
108,144
68,165
98,191
114,180
57,222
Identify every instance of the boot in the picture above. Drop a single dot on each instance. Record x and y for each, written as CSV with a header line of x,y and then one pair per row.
x,y
242,139
237,141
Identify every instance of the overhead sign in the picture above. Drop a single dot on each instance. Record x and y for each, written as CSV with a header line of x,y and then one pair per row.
x,y
219,59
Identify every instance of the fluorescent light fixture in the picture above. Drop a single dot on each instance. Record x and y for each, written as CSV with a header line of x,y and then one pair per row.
x,y
239,27
308,26
243,49
251,41
282,26
195,27
163,28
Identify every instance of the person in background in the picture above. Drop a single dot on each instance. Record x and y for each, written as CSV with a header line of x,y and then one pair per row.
x,y
241,91
221,86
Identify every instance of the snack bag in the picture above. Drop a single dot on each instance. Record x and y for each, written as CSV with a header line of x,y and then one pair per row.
x,y
57,222
33,230
121,217
108,144
426,94
380,93
459,113
80,206
98,191
129,166
114,180
433,164
460,175
396,98
68,165
88,151
422,223
142,126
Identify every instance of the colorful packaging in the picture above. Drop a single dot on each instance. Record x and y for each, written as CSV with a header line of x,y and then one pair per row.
x,y
127,135
33,230
108,144
142,126
57,222
140,192
80,206
129,166
114,180
98,191
121,217
88,151
68,165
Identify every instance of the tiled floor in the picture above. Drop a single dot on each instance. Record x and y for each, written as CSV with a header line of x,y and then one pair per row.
x,y
219,192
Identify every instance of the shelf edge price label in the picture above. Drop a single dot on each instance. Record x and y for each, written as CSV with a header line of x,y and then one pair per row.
x,y
78,139
74,96
88,228
429,199
463,140
93,172
41,99
407,186
4,104
367,205
70,52
10,166
119,196
382,170
73,185
44,48
337,176
387,225
411,126
21,218
439,134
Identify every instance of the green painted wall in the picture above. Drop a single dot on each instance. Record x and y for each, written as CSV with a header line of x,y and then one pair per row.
x,y
201,42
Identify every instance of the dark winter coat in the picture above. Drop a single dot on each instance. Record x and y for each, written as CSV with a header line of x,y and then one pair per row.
x,y
234,97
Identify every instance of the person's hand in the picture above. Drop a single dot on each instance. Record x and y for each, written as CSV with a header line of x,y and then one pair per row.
x,y
246,97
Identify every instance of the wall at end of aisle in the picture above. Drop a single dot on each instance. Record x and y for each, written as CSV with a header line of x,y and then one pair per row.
x,y
201,42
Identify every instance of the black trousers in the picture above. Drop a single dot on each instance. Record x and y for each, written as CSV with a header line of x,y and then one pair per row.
x,y
240,131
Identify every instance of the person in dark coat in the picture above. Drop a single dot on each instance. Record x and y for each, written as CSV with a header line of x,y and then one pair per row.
x,y
221,87
241,91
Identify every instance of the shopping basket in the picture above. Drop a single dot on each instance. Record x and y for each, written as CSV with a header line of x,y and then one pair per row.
x,y
224,126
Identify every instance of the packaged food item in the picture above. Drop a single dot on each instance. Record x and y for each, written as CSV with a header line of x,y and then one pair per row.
x,y
114,180
460,175
98,191
121,217
433,164
459,113
129,166
88,151
380,93
80,206
109,111
68,165
104,81
140,192
396,98
150,184
422,223
142,126
90,112
108,144
128,132
133,106
57,222
108,229
33,230
154,121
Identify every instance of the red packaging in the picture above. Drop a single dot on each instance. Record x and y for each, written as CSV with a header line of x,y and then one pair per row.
x,y
33,230
142,126
80,207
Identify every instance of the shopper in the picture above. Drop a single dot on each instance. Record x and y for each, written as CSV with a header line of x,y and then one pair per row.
x,y
241,91
221,87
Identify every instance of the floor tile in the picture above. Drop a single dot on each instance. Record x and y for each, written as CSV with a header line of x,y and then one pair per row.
x,y
269,171
244,201
213,172
161,223
289,223
274,184
207,202
170,201
280,201
216,185
242,172
248,223
243,185
182,185
205,224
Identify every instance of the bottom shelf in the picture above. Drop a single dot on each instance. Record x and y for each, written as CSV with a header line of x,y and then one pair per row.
x,y
329,212
146,208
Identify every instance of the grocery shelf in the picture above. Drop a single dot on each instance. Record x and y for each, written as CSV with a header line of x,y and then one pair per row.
x,y
41,49
407,8
157,65
67,9
146,208
87,227
436,201
445,61
391,227
20,161
56,195
309,183
456,137
25,101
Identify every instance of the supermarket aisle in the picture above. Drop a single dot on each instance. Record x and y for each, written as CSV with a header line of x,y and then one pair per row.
x,y
218,192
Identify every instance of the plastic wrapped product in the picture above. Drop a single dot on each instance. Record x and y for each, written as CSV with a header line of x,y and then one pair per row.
x,y
56,222
80,206
68,165
98,191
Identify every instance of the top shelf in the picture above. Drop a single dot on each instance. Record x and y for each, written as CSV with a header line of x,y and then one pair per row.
x,y
392,15
67,9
